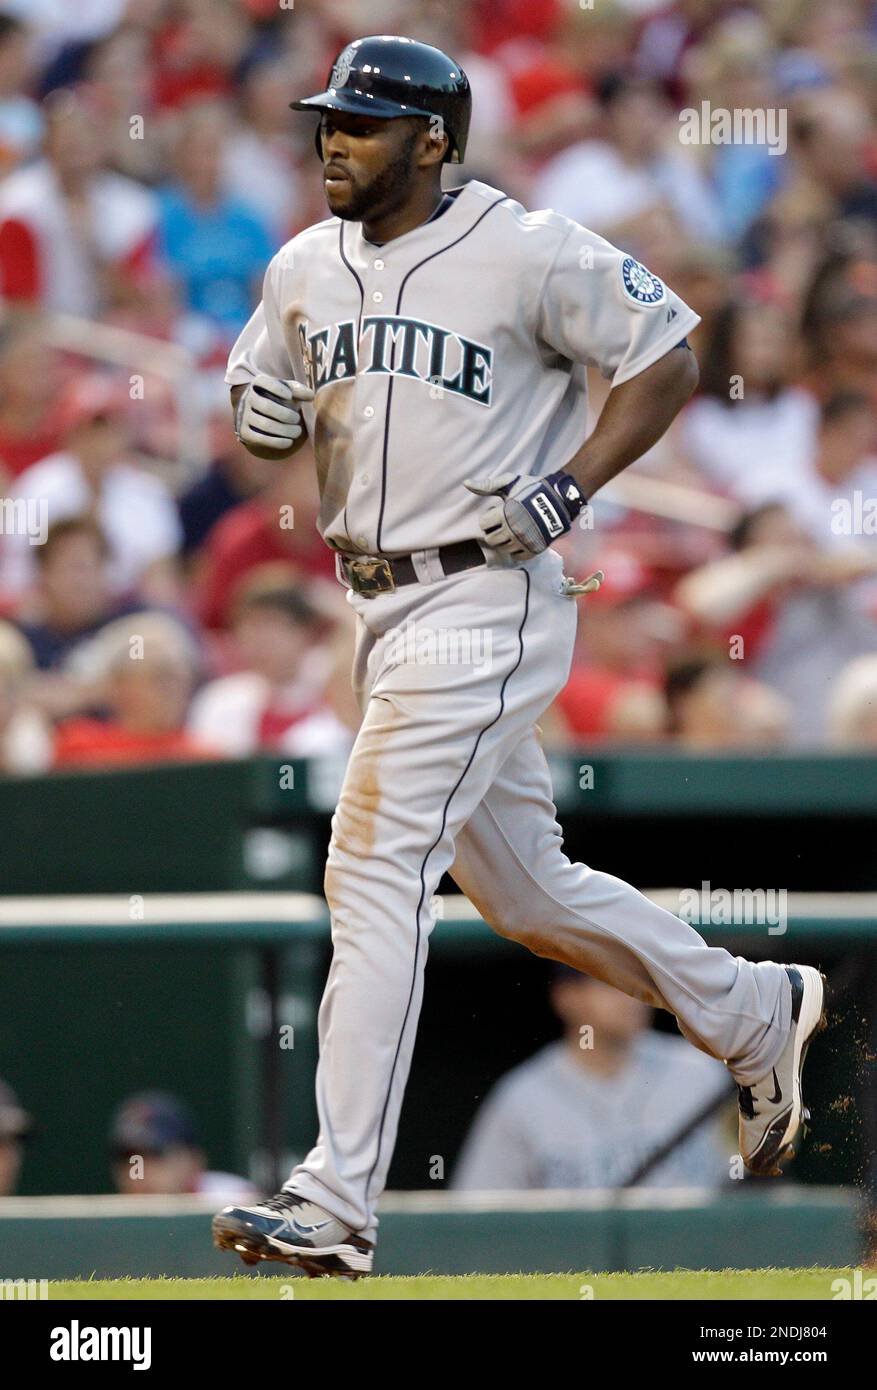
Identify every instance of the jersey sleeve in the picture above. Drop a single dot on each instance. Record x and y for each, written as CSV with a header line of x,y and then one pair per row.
x,y
601,306
261,346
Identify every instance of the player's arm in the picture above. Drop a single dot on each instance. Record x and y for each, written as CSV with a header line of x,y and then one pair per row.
x,y
597,306
266,399
529,513
634,417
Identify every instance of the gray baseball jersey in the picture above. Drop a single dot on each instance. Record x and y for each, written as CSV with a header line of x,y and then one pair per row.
x,y
455,351
553,1123
459,349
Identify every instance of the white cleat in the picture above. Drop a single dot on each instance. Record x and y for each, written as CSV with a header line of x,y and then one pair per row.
x,y
772,1112
295,1232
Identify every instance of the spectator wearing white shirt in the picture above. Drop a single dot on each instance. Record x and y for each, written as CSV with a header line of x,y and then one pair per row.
x,y
260,166
609,184
91,476
830,489
74,236
279,700
792,607
57,22
747,426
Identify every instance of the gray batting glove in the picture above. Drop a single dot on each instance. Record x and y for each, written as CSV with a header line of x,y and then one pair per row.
x,y
266,415
528,513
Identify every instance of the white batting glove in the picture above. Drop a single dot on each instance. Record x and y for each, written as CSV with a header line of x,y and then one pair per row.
x,y
527,513
266,414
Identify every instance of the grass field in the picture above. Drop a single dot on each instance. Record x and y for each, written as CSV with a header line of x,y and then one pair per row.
x,y
729,1284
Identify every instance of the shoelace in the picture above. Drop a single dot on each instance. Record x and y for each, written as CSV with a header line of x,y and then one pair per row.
x,y
747,1105
280,1203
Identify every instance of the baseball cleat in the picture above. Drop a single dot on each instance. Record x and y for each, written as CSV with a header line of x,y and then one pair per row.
x,y
295,1232
772,1113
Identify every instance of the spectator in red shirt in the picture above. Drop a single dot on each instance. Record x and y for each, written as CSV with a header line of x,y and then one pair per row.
x,y
200,51
500,22
277,527
554,85
614,689
149,665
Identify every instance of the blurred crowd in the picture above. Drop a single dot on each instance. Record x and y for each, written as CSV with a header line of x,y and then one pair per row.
x,y
152,1147
165,595
610,1102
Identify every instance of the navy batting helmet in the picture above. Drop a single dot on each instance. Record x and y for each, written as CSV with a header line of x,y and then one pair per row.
x,y
388,77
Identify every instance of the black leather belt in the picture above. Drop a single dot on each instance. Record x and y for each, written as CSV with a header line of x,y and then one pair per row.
x,y
369,575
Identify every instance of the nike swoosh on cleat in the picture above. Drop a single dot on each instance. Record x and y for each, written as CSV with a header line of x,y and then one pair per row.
x,y
309,1230
777,1097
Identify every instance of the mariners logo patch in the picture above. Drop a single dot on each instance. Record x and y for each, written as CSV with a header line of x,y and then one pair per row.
x,y
640,284
341,70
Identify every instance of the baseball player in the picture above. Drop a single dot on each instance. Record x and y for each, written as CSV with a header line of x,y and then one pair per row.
x,y
433,347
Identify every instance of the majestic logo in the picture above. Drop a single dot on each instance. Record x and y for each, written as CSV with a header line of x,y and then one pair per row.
x,y
341,70
394,346
640,284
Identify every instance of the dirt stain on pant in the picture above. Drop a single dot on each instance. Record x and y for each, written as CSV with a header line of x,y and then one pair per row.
x,y
355,824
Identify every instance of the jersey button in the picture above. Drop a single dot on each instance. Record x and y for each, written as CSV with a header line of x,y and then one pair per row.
x,y
362,542
369,412
363,479
378,297
379,265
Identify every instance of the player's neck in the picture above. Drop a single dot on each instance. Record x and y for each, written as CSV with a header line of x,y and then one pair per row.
x,y
401,220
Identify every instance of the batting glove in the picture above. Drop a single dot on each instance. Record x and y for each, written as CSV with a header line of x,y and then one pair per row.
x,y
529,513
266,415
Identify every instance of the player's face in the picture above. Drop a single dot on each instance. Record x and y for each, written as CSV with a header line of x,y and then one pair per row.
x,y
368,165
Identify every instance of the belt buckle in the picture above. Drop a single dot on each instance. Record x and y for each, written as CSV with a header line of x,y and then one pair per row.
x,y
371,575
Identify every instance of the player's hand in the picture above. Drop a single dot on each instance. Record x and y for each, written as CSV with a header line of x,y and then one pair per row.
x,y
267,416
528,513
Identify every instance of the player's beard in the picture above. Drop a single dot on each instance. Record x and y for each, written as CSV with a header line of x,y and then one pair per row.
x,y
388,190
